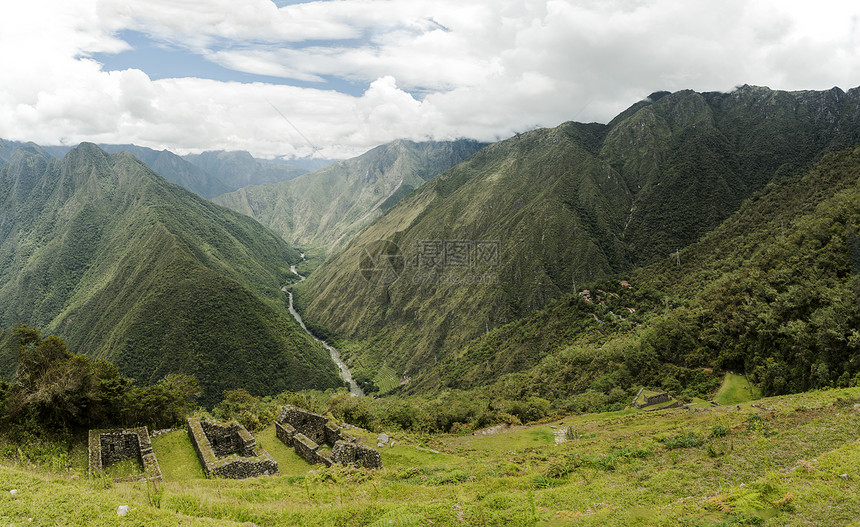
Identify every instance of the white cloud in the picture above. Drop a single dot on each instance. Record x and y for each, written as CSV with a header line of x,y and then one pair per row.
x,y
435,68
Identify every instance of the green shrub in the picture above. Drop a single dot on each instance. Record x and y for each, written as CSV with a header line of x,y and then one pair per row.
x,y
451,477
575,460
755,423
251,412
719,431
408,473
57,391
353,410
543,482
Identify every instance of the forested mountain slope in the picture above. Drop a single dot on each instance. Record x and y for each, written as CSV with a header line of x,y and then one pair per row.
x,y
175,169
325,208
773,292
567,206
124,265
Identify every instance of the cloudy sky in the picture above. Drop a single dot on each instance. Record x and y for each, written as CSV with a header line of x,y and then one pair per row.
x,y
335,78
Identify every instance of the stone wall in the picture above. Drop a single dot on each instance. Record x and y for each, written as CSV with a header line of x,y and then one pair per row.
x,y
332,433
651,400
312,425
227,450
285,432
656,399
305,431
111,446
308,450
634,403
675,404
350,453
229,439
119,446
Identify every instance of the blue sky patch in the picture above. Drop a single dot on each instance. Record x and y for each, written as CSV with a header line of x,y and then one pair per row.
x,y
160,60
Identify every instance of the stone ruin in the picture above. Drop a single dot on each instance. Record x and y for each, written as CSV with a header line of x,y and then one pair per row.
x,y
107,447
228,450
657,398
306,432
661,397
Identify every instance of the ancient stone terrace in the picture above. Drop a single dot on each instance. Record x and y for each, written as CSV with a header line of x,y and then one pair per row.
x,y
306,431
227,450
654,401
107,447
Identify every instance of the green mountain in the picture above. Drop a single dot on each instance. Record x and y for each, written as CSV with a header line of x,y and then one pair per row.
x,y
559,208
690,159
774,291
327,207
127,266
8,148
175,169
239,169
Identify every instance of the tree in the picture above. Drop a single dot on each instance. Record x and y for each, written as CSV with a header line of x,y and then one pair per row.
x,y
164,404
61,391
247,409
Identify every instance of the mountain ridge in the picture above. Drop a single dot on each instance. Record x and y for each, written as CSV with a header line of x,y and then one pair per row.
x,y
124,265
326,207
619,196
239,168
208,174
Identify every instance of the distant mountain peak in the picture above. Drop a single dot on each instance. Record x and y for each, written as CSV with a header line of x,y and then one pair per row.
x,y
657,95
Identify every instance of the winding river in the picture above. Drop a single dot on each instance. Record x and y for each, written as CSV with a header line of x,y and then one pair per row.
x,y
354,389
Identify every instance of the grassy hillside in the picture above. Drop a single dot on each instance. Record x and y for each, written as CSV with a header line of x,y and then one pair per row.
x,y
569,207
788,460
327,207
126,266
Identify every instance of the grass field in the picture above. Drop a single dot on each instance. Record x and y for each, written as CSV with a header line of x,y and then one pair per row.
x,y
790,460
176,457
124,468
736,389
